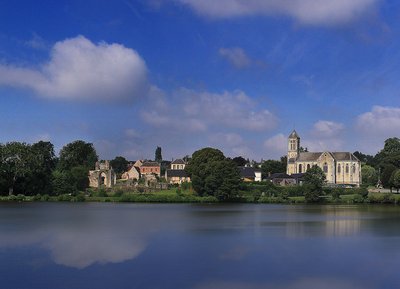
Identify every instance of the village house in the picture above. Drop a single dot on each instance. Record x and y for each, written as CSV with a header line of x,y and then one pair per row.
x,y
250,174
132,173
177,174
150,168
339,167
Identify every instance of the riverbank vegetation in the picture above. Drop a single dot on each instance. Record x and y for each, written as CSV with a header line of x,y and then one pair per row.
x,y
32,172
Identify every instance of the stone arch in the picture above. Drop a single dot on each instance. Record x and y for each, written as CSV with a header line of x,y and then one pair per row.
x,y
103,180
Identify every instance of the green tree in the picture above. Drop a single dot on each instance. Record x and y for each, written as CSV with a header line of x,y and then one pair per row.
x,y
62,183
395,179
272,167
314,179
387,171
240,161
77,153
369,175
158,155
213,174
120,165
390,154
43,161
15,160
365,159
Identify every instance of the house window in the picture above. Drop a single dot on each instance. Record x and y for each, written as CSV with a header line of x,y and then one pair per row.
x,y
354,169
300,168
338,168
347,168
325,168
308,167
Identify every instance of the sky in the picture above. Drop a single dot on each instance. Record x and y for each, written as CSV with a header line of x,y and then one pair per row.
x,y
237,75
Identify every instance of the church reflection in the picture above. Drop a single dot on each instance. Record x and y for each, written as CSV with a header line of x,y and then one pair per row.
x,y
333,222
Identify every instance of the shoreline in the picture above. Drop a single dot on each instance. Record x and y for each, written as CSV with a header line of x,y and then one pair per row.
x,y
170,198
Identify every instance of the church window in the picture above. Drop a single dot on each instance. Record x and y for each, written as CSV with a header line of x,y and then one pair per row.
x,y
308,167
347,168
300,168
338,168
354,169
325,168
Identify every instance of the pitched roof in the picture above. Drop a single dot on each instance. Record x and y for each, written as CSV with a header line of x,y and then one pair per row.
x,y
176,173
279,176
150,164
247,172
294,134
344,156
178,162
308,157
338,156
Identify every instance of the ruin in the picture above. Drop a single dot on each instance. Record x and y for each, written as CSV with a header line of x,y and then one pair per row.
x,y
102,175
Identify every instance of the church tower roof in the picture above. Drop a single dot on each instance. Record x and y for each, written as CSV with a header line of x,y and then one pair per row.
x,y
294,134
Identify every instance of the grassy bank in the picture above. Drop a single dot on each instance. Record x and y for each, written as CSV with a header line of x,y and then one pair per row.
x,y
177,196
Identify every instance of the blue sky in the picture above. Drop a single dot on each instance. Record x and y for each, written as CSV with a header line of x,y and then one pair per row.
x,y
238,75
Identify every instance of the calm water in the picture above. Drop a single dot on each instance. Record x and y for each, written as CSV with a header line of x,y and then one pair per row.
x,y
198,246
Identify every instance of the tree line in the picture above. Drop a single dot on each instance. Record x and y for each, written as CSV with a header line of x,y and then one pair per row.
x,y
32,169
384,167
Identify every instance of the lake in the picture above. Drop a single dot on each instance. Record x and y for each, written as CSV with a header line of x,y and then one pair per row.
x,y
235,246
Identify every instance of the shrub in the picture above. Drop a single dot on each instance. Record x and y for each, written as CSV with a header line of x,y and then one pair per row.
x,y
64,198
118,193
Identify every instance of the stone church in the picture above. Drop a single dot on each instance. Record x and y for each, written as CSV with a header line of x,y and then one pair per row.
x,y
341,168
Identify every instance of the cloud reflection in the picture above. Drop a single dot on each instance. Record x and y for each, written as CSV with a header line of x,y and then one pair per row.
x,y
79,237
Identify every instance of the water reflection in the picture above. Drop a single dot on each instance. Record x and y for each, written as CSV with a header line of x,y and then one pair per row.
x,y
198,246
309,283
80,235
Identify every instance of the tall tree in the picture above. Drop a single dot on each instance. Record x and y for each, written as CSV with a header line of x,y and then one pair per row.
x,y
365,159
240,161
158,155
77,153
369,175
15,160
43,162
272,167
395,179
314,180
213,174
390,154
119,164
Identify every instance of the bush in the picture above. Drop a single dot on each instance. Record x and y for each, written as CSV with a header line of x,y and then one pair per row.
x,y
118,193
64,198
79,198
381,198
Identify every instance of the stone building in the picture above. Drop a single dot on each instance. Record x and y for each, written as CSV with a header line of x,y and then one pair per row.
x,y
102,175
177,174
132,173
339,167
150,168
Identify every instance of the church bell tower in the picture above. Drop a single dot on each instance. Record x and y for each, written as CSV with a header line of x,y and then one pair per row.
x,y
293,152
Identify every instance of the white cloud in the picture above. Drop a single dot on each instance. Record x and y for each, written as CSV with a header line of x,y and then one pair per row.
x,y
189,110
381,120
78,69
236,56
327,129
308,12
276,145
